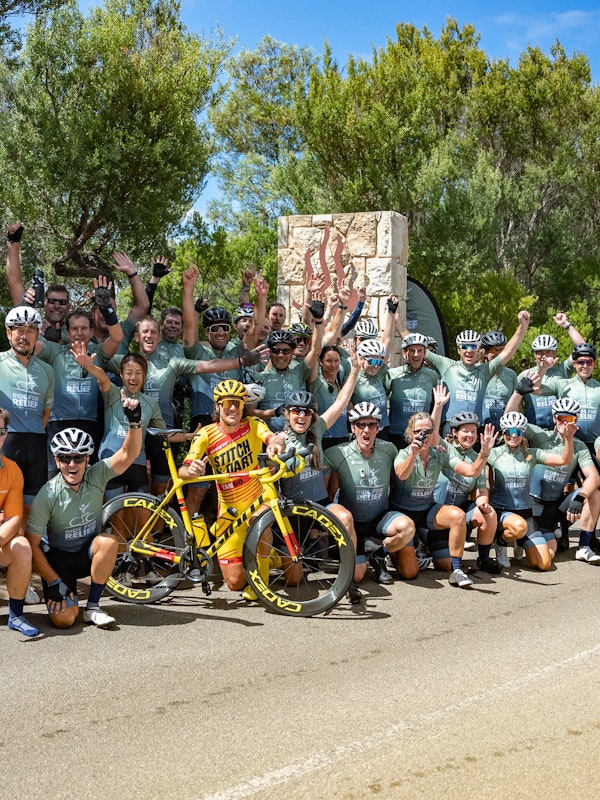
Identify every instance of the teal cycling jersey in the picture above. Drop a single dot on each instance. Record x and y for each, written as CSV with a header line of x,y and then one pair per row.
x,y
497,394
26,391
547,483
538,407
280,384
512,476
455,489
116,424
325,394
416,492
370,389
202,386
409,393
76,392
69,519
466,385
587,395
310,483
364,483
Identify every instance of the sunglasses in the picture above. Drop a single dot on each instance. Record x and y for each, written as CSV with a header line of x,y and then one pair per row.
x,y
514,432
3,431
281,351
366,425
469,346
375,362
303,340
494,351
231,402
585,362
225,327
301,412
566,418
426,431
56,301
78,459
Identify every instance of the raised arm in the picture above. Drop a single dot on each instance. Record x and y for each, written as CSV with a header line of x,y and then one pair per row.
x,y
562,321
488,440
105,302
132,444
388,331
190,319
86,362
141,303
332,414
14,275
515,340
260,310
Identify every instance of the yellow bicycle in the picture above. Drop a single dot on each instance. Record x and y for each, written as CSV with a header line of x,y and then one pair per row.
x,y
160,545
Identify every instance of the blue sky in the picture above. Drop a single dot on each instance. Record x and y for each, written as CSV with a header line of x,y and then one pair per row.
x,y
353,26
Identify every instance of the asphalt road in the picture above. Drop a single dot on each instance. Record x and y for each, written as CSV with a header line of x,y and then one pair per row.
x,y
424,691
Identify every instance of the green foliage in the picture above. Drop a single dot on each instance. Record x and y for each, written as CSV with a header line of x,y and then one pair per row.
x,y
101,129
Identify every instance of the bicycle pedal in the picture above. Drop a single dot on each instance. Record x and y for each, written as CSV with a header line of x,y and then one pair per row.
x,y
206,589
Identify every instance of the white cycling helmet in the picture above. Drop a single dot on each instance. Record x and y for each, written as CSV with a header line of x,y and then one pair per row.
x,y
71,440
364,410
566,405
414,338
371,348
256,392
242,313
23,315
514,419
468,337
366,329
544,342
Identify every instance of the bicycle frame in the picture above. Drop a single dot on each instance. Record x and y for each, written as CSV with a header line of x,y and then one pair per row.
x,y
268,497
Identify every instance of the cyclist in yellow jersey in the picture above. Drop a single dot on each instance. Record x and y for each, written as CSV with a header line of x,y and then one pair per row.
x,y
232,444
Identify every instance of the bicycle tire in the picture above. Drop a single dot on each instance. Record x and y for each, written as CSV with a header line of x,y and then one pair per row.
x,y
128,581
328,567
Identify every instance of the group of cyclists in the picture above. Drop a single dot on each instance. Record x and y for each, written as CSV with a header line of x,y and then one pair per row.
x,y
412,459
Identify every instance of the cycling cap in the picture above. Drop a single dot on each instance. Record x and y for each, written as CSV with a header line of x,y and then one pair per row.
x,y
281,337
70,441
366,329
493,339
371,348
256,392
468,337
514,419
364,410
544,342
242,313
215,315
230,388
301,399
583,349
23,315
566,405
301,329
464,418
414,338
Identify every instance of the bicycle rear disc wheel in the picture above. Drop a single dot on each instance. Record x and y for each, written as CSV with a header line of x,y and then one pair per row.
x,y
138,578
327,560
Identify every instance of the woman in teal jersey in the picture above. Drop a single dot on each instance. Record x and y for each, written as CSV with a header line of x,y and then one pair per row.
x,y
512,465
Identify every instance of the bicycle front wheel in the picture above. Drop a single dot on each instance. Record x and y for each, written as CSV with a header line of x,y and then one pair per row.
x,y
144,577
325,568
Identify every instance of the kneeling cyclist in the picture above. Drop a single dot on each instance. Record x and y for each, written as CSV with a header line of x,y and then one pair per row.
x,y
64,527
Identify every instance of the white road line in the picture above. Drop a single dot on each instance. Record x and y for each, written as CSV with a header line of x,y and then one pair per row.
x,y
326,759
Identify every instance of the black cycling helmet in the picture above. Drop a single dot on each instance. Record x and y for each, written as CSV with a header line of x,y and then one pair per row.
x,y
583,349
281,337
464,418
300,399
216,315
493,339
301,329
